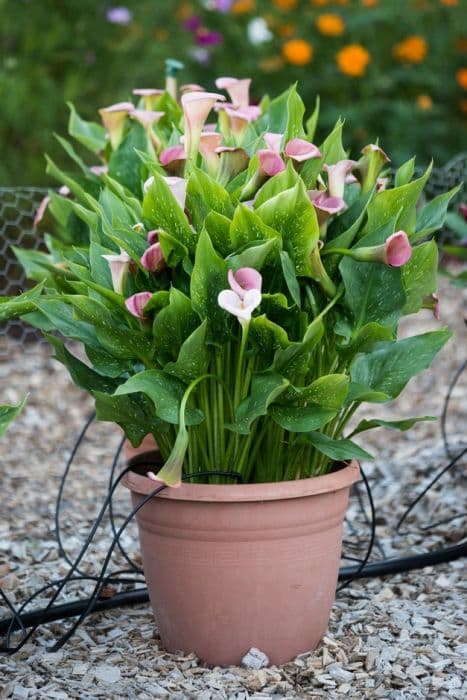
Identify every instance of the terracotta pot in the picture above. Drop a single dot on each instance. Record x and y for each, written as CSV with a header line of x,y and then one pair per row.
x,y
148,444
231,567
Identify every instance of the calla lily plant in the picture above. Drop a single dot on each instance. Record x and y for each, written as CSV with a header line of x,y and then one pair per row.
x,y
235,282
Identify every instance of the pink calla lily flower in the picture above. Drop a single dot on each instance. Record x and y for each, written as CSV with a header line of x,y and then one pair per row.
x,y
241,307
209,142
273,141
136,303
398,249
153,236
196,108
326,203
337,174
238,90
113,118
149,96
177,186
301,150
395,251
270,162
99,169
168,155
146,117
153,258
173,159
244,279
191,87
119,266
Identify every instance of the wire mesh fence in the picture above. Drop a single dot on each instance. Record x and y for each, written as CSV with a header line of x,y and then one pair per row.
x,y
18,207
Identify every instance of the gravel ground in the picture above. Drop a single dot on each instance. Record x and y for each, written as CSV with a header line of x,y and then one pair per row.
x,y
397,637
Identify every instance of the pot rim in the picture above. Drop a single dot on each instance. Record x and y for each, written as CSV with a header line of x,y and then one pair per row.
x,y
266,491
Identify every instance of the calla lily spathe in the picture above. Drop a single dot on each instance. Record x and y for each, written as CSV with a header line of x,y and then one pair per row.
x,y
113,118
244,279
238,90
177,186
119,266
196,107
337,173
241,307
136,303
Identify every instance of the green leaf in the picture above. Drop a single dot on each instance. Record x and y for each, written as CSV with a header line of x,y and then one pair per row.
x,y
8,414
293,215
218,228
393,424
132,413
405,173
173,324
93,136
166,393
70,151
290,278
329,391
204,195
312,121
336,449
365,339
419,276
162,210
267,337
332,151
124,164
209,277
295,114
373,291
361,392
433,214
14,307
118,340
391,365
396,204
275,185
55,172
193,357
37,265
301,419
254,254
295,358
265,387
248,227
82,375
172,250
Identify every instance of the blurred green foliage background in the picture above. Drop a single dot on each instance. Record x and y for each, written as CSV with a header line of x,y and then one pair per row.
x,y
395,69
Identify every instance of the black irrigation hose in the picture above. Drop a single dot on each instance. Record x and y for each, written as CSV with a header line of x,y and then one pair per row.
x,y
388,567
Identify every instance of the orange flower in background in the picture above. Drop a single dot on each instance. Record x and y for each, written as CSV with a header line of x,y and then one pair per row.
x,y
298,52
241,7
369,3
330,24
424,102
450,3
463,106
285,4
461,77
411,50
353,60
286,30
271,64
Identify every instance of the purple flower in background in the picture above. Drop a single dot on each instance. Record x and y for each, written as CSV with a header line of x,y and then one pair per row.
x,y
204,37
222,5
192,24
119,15
200,55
